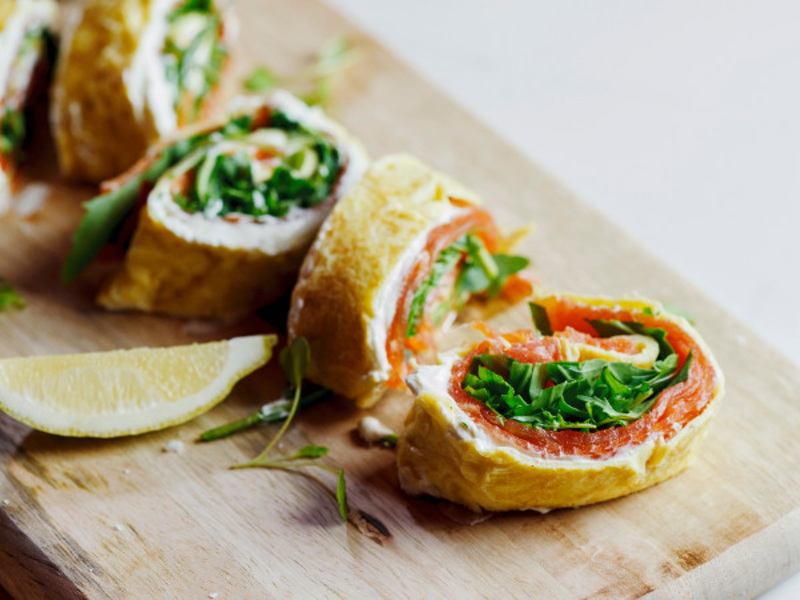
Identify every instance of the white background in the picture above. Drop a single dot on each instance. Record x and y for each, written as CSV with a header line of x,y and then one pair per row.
x,y
678,119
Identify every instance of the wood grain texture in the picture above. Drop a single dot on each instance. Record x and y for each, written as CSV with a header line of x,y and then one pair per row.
x,y
124,519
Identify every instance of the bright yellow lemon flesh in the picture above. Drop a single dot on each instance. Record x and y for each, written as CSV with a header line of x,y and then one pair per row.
x,y
126,392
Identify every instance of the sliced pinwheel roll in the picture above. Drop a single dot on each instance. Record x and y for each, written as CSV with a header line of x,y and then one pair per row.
x,y
399,255
608,397
130,72
228,212
24,41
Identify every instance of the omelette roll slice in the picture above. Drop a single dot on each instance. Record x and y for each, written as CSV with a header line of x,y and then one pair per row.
x,y
396,259
131,72
24,45
228,213
609,397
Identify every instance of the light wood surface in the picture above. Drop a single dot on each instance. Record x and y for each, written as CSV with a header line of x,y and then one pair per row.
x,y
122,518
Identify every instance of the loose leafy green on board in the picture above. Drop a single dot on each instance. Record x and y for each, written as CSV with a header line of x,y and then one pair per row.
x,y
586,396
481,272
390,440
9,297
295,359
105,213
314,83
273,412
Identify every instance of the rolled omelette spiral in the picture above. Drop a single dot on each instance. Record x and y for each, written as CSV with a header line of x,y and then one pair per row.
x,y
458,447
404,230
131,72
224,229
24,31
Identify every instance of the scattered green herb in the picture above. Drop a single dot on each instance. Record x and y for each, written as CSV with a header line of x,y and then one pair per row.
x,y
295,359
273,412
261,80
587,396
390,440
9,297
480,272
315,82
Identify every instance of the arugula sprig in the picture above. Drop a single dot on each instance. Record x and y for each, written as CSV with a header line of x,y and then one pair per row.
x,y
314,83
272,412
480,272
295,359
587,396
105,213
9,297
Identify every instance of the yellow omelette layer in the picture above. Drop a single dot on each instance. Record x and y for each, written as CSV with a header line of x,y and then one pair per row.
x,y
165,273
96,132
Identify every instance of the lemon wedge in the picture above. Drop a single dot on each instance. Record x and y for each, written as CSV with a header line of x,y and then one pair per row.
x,y
126,392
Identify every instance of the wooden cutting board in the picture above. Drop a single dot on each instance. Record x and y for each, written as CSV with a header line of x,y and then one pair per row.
x,y
122,518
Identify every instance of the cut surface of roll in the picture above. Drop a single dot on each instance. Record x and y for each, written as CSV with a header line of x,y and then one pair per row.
x,y
130,72
397,258
230,212
593,410
24,41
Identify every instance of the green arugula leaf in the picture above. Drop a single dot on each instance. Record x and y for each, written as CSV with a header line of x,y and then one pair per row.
x,y
9,298
310,451
540,319
105,213
591,395
295,360
261,79
610,328
341,495
273,412
12,132
480,272
390,440
226,184
447,260
315,82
